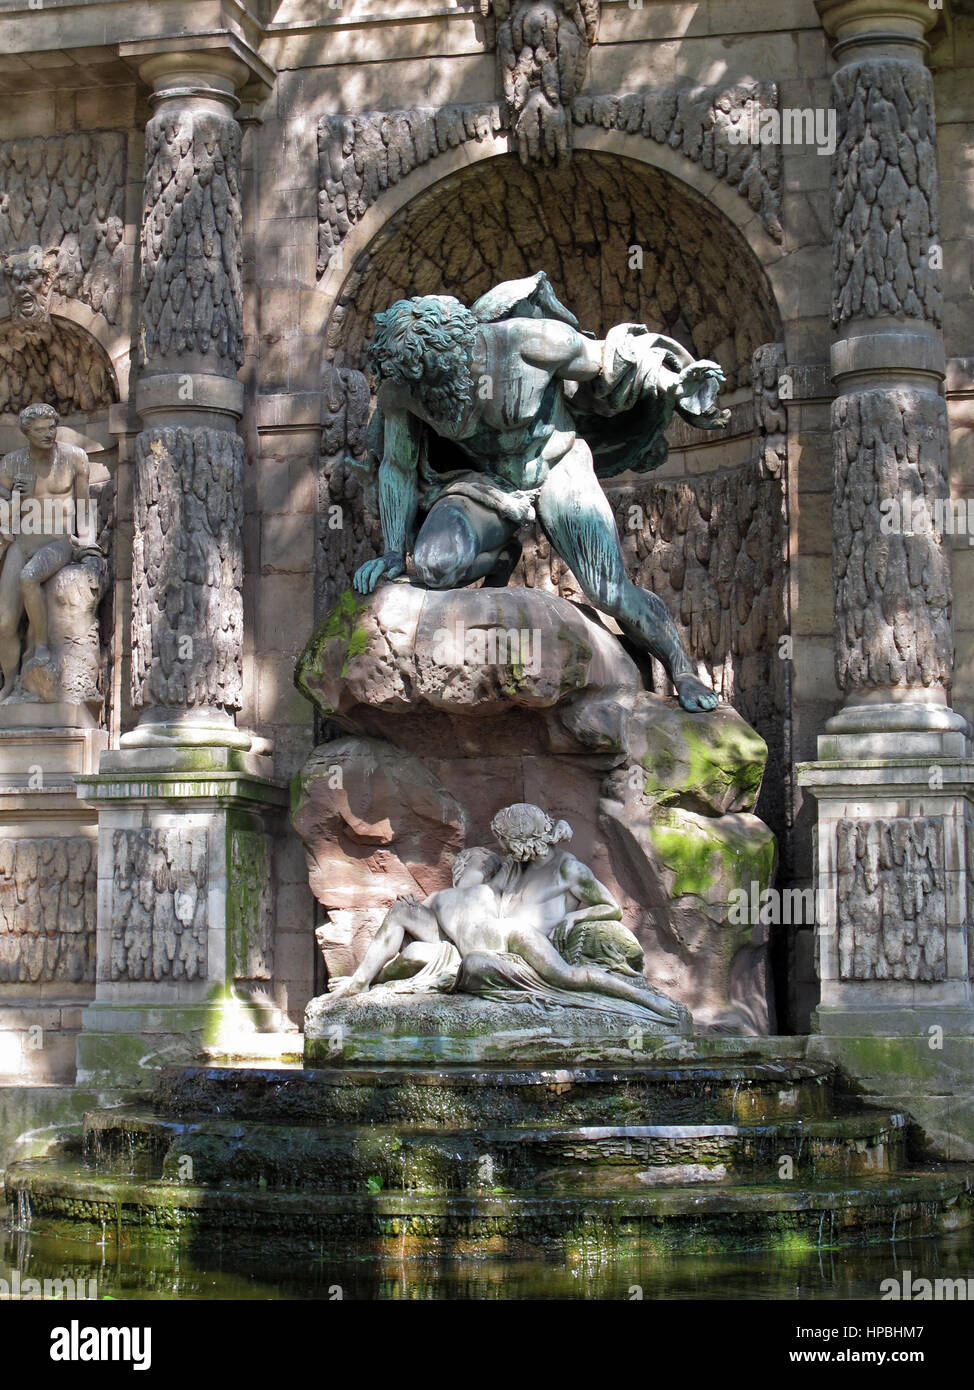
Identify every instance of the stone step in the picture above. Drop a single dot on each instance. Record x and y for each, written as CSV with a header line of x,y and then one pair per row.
x,y
374,1158
51,1196
469,1098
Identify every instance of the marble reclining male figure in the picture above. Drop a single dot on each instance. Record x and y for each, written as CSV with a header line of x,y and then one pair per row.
x,y
538,412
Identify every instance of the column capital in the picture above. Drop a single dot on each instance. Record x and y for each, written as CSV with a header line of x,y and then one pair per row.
x,y
882,26
218,66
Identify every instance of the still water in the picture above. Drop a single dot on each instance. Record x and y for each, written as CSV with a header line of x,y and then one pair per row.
x,y
846,1273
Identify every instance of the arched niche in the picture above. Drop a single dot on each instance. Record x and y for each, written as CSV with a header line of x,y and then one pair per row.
x,y
620,239
58,362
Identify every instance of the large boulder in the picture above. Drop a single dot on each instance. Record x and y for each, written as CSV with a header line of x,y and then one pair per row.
x,y
454,704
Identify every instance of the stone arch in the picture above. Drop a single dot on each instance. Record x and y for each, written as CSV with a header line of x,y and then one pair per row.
x,y
618,186
59,362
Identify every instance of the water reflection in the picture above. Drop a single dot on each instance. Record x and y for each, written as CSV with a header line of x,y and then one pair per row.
x,y
142,1273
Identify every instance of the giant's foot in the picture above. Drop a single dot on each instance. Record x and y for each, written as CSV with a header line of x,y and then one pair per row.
x,y
694,695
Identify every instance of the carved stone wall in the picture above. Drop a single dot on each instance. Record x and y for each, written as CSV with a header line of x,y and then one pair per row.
x,y
770,449
48,910
67,193
620,242
891,573
187,568
192,259
348,532
892,899
886,208
158,920
362,155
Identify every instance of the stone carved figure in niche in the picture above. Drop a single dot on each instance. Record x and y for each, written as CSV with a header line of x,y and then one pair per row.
x,y
542,54
529,924
537,412
47,535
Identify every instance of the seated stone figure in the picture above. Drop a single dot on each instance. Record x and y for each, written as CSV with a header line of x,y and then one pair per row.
x,y
46,502
533,925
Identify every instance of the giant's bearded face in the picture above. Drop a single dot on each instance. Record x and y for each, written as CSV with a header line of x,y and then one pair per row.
x,y
425,345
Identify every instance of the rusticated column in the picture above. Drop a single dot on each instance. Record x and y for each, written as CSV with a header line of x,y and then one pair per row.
x,y
893,644
187,578
187,808
894,780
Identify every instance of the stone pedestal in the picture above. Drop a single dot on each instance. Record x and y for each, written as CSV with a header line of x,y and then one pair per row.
x,y
185,906
48,888
457,703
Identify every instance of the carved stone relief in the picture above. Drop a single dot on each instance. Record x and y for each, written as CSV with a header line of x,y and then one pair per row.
x,y
48,908
187,572
158,922
192,258
892,572
892,899
65,196
359,156
885,180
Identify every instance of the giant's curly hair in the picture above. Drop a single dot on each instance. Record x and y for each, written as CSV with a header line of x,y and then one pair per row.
x,y
425,344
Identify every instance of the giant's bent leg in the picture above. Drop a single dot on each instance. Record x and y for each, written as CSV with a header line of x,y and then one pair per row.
x,y
579,523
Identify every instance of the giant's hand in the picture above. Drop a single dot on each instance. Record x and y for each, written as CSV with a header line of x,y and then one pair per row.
x,y
367,576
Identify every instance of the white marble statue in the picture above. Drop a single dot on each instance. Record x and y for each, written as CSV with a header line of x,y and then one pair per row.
x,y
530,923
46,525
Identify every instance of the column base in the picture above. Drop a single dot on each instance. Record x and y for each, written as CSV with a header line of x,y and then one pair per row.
x,y
190,728
919,1061
895,730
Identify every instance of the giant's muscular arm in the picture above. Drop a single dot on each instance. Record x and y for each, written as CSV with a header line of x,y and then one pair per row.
x,y
692,386
398,498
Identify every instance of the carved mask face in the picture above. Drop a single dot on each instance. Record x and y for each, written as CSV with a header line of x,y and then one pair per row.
x,y
30,279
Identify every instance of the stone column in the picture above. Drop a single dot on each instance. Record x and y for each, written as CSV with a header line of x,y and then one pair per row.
x,y
893,776
187,581
186,805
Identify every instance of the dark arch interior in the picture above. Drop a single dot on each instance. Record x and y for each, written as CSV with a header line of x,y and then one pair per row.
x,y
57,363
698,279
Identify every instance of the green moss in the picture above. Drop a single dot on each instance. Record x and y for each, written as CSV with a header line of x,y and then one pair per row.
x,y
694,861
576,663
725,757
341,625
701,853
248,904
